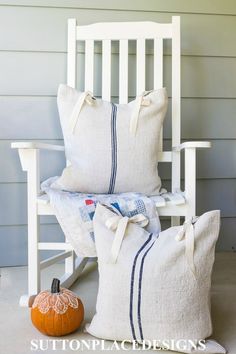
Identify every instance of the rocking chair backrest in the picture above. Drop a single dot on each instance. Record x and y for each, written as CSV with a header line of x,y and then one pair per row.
x,y
123,32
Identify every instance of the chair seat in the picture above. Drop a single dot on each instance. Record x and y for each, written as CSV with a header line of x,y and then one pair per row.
x,y
168,198
162,200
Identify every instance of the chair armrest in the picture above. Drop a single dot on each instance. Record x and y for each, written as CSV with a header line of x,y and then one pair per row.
x,y
190,172
36,145
192,144
29,153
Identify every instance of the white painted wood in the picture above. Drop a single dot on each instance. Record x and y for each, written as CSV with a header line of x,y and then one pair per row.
x,y
71,53
66,281
89,65
45,209
140,66
158,74
70,263
43,199
165,199
52,260
164,156
106,69
36,145
124,30
174,198
160,202
176,94
190,181
69,278
123,71
192,144
54,246
173,210
158,63
33,221
26,300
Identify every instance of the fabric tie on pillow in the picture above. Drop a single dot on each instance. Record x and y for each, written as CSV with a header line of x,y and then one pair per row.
x,y
119,224
87,97
140,101
187,232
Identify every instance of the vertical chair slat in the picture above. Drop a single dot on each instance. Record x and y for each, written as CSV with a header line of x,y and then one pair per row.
x,y
106,69
140,69
89,64
123,71
158,63
176,101
158,74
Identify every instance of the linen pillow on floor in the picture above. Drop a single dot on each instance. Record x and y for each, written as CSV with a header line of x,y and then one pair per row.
x,y
155,288
111,148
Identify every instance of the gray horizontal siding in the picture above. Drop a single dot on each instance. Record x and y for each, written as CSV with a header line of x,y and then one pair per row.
x,y
34,60
15,239
201,6
203,34
202,118
201,76
51,163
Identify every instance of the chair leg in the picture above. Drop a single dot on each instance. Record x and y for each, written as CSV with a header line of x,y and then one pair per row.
x,y
30,163
69,278
33,260
70,264
33,256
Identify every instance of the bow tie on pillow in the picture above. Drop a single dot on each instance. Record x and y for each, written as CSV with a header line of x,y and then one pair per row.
x,y
118,224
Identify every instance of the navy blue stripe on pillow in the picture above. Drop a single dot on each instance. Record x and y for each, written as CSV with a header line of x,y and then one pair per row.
x,y
140,291
132,286
113,149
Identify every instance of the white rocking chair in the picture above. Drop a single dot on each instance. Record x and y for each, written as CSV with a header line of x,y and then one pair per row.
x,y
176,203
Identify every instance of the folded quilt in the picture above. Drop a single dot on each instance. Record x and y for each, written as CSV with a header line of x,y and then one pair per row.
x,y
74,212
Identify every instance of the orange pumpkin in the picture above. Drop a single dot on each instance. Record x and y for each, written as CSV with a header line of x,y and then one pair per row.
x,y
58,312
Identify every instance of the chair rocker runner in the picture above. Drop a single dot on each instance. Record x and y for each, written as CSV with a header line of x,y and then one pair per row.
x,y
174,204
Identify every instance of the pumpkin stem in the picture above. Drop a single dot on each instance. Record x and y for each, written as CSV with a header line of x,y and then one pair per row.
x,y
55,288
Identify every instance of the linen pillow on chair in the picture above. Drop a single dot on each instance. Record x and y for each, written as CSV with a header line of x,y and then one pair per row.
x,y
155,288
111,148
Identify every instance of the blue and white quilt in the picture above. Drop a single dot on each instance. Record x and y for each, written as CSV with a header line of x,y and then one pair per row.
x,y
75,211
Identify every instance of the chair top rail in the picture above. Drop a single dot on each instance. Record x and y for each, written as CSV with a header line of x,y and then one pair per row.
x,y
128,30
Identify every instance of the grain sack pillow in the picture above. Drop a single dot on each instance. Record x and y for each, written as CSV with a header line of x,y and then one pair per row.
x,y
111,148
155,288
